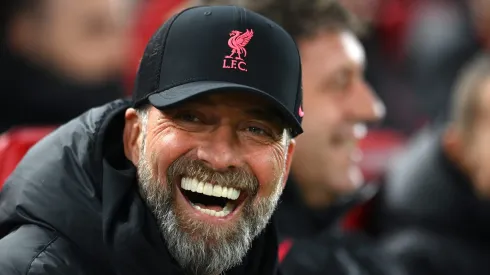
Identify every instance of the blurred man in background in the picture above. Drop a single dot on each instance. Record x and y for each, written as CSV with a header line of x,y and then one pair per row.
x,y
325,178
434,209
480,14
58,58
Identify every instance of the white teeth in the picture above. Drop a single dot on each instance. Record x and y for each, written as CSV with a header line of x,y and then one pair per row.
x,y
194,185
224,212
200,187
217,191
208,189
233,193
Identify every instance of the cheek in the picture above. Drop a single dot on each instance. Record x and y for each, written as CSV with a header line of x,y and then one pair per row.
x,y
319,125
321,112
477,156
268,167
482,156
61,41
164,148
480,146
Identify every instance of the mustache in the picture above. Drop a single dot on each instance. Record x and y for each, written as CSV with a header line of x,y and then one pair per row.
x,y
238,178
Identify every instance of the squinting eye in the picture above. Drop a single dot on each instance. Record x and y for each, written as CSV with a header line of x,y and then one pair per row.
x,y
342,82
188,118
256,130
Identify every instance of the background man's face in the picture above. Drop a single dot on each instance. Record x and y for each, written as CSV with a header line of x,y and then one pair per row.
x,y
83,39
336,100
481,16
477,149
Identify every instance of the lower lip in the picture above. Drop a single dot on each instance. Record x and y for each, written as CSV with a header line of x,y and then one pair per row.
x,y
200,215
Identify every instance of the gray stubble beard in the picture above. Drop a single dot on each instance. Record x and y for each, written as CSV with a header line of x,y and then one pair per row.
x,y
198,247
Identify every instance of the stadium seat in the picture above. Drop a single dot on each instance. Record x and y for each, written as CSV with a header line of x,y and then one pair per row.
x,y
15,143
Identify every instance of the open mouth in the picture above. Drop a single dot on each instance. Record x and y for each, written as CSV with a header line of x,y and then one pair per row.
x,y
211,199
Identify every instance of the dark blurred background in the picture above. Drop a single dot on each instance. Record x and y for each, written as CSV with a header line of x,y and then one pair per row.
x,y
59,58
415,48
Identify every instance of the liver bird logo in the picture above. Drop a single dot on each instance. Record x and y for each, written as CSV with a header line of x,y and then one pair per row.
x,y
237,42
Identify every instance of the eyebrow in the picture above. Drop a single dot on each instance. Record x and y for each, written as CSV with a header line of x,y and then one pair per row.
x,y
265,115
256,112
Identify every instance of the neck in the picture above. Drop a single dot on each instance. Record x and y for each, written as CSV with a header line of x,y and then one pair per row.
x,y
314,195
318,198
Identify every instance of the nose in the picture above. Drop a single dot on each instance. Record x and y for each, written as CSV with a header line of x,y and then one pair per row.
x,y
220,150
364,105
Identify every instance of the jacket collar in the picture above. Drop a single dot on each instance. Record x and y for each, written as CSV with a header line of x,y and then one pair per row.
x,y
315,221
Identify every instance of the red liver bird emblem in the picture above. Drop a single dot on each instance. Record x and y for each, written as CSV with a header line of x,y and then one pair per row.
x,y
237,43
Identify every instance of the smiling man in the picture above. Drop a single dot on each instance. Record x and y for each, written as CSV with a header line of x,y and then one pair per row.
x,y
181,180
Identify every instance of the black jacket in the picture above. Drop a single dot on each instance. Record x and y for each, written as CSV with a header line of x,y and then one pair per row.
x,y
429,217
312,222
314,242
72,207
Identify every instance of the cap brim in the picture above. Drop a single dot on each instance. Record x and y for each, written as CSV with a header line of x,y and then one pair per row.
x,y
186,91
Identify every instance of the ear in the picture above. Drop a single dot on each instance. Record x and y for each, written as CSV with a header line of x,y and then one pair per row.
x,y
131,134
289,160
453,145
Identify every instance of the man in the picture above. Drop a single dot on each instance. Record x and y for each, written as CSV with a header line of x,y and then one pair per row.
x,y
59,58
325,179
480,12
184,181
435,206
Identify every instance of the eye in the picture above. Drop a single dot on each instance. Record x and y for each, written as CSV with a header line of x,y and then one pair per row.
x,y
341,81
188,117
257,131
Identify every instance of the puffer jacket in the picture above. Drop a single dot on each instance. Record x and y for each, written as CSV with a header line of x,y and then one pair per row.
x,y
72,207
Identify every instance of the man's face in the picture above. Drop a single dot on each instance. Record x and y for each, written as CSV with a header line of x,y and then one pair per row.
x,y
336,101
83,39
477,149
212,170
481,15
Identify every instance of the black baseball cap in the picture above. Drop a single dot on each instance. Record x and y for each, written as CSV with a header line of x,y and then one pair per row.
x,y
221,48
